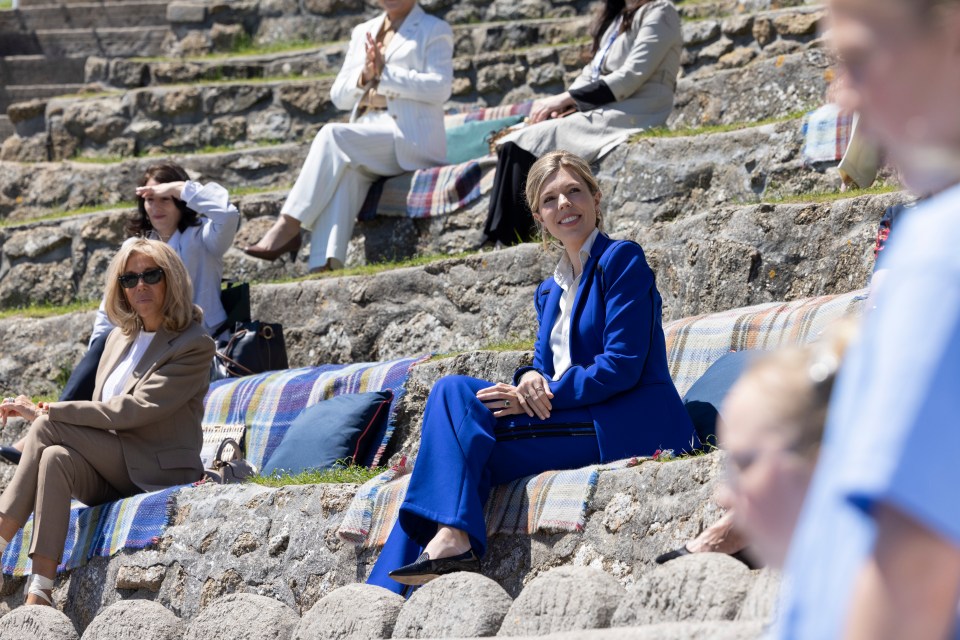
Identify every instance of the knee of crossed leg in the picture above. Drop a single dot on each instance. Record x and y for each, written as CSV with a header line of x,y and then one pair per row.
x,y
56,460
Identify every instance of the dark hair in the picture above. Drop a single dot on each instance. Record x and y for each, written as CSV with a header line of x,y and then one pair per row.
x,y
139,225
611,9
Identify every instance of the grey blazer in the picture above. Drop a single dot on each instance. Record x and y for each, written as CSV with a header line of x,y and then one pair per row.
x,y
641,70
157,417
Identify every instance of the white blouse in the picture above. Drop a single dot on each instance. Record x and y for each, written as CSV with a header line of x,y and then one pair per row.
x,y
118,377
560,333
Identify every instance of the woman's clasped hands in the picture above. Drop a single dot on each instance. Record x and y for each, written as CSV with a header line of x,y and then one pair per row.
x,y
373,66
532,396
20,406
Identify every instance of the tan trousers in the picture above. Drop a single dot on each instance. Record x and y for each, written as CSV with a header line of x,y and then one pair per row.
x,y
63,461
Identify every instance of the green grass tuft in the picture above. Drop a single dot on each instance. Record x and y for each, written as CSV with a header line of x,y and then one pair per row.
x,y
683,132
375,268
49,310
832,196
337,475
6,5
57,214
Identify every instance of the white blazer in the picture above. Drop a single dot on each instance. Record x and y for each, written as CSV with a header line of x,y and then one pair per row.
x,y
417,80
201,248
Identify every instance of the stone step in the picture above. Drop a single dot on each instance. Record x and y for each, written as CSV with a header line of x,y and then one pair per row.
x,y
23,70
737,39
85,15
6,127
107,41
709,254
470,41
169,118
12,94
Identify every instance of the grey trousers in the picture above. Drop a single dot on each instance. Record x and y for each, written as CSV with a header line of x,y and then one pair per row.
x,y
63,461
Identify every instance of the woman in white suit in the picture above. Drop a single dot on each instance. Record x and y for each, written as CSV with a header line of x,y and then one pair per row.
x,y
397,74
626,88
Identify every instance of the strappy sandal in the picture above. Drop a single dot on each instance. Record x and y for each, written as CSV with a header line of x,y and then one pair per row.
x,y
39,586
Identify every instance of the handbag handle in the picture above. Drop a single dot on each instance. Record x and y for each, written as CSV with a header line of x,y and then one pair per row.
x,y
218,459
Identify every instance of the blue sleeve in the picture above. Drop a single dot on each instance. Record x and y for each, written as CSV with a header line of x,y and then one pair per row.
x,y
905,402
630,314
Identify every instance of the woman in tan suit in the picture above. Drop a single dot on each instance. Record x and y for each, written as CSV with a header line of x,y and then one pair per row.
x,y
626,88
142,430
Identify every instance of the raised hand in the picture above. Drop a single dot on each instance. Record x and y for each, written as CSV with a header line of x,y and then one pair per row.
x,y
165,190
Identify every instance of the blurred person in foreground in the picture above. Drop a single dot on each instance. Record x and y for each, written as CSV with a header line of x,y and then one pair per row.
x,y
877,550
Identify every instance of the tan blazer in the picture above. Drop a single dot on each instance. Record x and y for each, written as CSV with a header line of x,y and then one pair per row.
x,y
417,79
157,417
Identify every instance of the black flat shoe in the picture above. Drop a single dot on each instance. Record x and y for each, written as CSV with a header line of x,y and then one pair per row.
x,y
424,569
9,454
672,555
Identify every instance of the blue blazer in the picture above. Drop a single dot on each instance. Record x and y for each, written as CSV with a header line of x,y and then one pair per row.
x,y
619,357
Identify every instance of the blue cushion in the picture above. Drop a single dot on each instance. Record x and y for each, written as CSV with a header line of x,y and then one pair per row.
x,y
705,397
471,140
343,427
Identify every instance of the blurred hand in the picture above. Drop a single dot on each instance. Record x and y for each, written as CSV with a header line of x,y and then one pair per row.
x,y
556,106
20,406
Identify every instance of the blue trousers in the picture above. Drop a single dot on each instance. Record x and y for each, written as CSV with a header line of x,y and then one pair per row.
x,y
464,451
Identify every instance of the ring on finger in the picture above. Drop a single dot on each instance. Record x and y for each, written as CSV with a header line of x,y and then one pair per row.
x,y
506,404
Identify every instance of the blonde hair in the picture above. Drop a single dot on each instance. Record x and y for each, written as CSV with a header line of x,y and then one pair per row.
x,y
549,164
178,309
797,382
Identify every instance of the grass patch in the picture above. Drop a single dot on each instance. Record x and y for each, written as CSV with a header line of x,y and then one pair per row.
x,y
337,475
246,49
821,197
375,268
63,213
6,5
683,132
516,344
49,310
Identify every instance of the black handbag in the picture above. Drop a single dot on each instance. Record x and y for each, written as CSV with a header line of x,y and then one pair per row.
x,y
254,347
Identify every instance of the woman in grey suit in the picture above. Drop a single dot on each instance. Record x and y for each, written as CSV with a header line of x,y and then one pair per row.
x,y
142,430
626,88
397,74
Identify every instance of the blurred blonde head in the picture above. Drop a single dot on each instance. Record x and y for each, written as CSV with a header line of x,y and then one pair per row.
x,y
772,425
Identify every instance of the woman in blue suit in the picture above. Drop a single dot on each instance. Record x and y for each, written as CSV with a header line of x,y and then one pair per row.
x,y
598,390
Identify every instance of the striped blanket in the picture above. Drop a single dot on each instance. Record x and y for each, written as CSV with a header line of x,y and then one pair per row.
x,y
439,190
826,134
269,402
103,530
551,501
693,344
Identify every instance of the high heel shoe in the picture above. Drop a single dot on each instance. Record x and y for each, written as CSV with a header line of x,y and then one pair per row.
x,y
292,247
423,570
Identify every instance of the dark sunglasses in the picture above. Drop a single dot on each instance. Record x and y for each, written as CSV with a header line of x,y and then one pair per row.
x,y
130,280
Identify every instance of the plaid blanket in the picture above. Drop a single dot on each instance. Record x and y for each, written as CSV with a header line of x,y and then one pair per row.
x,y
693,344
826,134
103,530
550,501
439,190
268,403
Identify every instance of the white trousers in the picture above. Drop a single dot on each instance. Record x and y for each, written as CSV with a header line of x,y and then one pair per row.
x,y
344,160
